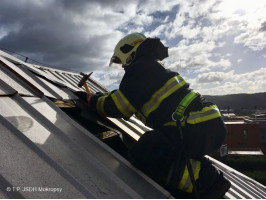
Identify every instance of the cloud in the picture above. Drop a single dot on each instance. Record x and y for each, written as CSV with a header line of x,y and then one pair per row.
x,y
209,22
149,7
246,20
66,33
148,14
263,27
193,20
253,39
252,82
214,77
157,31
195,55
204,37
239,60
111,80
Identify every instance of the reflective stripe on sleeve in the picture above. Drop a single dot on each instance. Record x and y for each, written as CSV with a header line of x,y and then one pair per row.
x,y
141,117
100,105
123,105
169,88
207,113
185,184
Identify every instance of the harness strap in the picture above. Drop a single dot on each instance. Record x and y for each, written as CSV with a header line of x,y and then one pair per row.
x,y
178,114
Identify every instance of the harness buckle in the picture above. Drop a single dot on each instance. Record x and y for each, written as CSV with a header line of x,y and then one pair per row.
x,y
179,113
179,119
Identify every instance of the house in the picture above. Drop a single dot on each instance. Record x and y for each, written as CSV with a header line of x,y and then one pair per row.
x,y
243,138
261,120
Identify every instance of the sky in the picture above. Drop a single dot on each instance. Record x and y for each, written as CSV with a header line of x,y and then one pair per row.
x,y
219,47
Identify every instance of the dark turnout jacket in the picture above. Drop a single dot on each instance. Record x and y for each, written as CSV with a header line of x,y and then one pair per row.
x,y
148,89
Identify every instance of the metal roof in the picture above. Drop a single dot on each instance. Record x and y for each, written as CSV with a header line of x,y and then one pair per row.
x,y
42,148
242,187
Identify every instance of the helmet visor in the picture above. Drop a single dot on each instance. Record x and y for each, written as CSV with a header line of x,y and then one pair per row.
x,y
115,60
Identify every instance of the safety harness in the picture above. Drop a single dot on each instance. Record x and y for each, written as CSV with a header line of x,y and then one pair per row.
x,y
178,117
178,114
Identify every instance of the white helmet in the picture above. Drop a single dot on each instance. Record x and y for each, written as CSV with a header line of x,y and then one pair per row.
x,y
125,50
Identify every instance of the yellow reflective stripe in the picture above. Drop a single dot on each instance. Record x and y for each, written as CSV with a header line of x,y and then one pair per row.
x,y
185,184
123,104
169,88
106,93
100,105
141,117
171,123
207,113
184,178
197,170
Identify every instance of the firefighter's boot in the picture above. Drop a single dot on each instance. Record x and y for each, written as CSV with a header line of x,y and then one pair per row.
x,y
211,183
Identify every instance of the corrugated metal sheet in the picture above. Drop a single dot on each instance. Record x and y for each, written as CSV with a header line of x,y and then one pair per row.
x,y
46,148
82,165
242,187
6,89
41,146
26,76
14,82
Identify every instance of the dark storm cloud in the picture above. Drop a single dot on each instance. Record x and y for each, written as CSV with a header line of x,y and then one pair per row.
x,y
46,31
263,26
79,5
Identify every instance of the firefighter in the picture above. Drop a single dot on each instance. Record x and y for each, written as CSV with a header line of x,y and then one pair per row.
x,y
185,125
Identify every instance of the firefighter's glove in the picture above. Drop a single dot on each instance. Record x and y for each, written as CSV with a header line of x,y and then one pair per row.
x,y
82,96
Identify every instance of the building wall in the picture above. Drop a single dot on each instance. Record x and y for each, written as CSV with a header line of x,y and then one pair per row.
x,y
243,136
262,125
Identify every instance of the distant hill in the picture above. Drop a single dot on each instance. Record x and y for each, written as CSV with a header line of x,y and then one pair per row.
x,y
239,101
